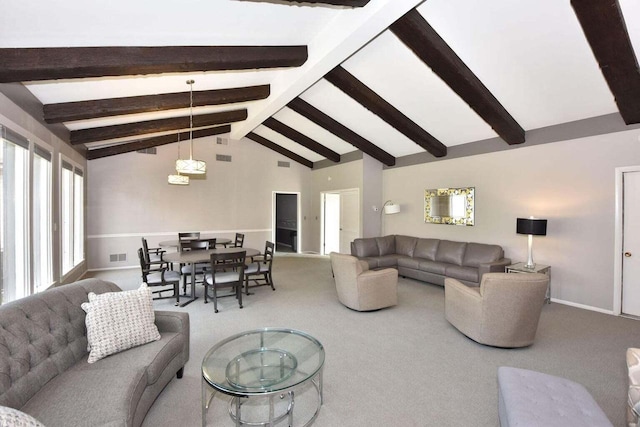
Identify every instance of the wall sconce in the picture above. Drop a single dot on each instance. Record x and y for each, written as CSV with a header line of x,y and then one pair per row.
x,y
532,227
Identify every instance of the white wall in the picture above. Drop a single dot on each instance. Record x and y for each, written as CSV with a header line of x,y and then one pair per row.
x,y
570,183
129,197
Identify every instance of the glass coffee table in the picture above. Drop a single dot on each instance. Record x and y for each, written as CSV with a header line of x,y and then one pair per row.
x,y
268,363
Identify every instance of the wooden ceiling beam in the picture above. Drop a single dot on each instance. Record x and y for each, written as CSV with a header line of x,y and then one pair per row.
x,y
84,136
307,110
156,141
603,25
29,64
301,139
414,31
373,102
278,149
92,109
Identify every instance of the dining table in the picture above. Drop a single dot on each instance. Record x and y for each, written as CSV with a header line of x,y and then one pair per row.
x,y
176,243
194,257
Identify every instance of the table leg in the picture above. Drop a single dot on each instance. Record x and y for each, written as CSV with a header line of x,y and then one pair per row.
x,y
193,286
206,401
238,411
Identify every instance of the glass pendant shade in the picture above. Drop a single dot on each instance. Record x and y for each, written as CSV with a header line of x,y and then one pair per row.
x,y
191,166
178,180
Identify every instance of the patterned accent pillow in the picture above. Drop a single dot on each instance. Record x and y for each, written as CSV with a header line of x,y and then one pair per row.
x,y
633,366
10,417
117,321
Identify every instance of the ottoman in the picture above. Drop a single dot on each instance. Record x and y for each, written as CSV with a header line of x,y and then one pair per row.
x,y
528,398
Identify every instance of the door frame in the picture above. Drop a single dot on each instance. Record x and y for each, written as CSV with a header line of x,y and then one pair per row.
x,y
298,216
322,212
618,240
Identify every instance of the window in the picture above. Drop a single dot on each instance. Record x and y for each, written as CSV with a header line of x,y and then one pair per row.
x,y
14,174
71,212
42,234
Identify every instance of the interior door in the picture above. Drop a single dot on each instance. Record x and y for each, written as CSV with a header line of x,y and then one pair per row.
x,y
349,219
631,244
331,236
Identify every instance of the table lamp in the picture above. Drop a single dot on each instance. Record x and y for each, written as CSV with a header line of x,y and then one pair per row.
x,y
532,227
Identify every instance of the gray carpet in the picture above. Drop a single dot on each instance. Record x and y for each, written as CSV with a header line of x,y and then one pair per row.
x,y
402,366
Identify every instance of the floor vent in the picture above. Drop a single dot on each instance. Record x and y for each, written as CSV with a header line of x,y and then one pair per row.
x,y
151,150
223,158
222,141
284,164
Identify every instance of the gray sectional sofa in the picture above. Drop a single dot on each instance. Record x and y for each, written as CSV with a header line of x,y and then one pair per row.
x,y
431,260
44,370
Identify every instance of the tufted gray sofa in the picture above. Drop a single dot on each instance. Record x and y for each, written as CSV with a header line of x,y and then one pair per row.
x,y
44,370
431,260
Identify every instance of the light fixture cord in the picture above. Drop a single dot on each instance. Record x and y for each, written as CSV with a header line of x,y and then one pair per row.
x,y
178,151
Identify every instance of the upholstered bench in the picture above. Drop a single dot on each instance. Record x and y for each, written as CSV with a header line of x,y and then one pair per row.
x,y
533,399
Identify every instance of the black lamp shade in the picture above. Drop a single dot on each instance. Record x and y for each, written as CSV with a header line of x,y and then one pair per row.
x,y
535,227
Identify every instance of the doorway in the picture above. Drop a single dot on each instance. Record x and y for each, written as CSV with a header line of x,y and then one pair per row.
x,y
340,220
627,259
286,222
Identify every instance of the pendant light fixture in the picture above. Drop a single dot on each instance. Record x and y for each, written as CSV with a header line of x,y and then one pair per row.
x,y
178,179
191,166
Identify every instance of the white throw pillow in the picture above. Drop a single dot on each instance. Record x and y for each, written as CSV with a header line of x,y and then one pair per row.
x,y
10,417
117,321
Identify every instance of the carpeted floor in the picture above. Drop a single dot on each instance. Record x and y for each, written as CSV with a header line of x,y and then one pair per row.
x,y
402,366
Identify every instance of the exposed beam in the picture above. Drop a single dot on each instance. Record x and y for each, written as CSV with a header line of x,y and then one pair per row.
x,y
301,139
603,25
150,126
414,31
341,38
28,64
352,3
307,110
278,149
70,111
353,87
154,142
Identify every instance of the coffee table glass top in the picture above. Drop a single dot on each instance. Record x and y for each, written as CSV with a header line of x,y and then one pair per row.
x,y
262,361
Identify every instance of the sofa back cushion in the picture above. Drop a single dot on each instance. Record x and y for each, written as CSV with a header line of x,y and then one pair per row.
x,y
386,245
405,245
426,248
365,248
451,252
478,253
42,336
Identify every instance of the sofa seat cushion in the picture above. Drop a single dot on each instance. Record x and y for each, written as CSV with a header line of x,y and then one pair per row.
x,y
94,396
387,261
153,357
451,252
408,262
478,253
470,274
405,245
432,267
426,248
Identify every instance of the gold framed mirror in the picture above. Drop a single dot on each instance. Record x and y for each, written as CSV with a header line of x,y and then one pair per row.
x,y
453,206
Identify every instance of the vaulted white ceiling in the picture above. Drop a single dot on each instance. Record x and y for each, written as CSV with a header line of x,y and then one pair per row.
x,y
532,56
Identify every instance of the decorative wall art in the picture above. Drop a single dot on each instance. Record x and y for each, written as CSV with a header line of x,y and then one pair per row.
x,y
453,206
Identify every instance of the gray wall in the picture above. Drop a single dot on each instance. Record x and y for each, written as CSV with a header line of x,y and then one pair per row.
x,y
129,197
570,183
371,196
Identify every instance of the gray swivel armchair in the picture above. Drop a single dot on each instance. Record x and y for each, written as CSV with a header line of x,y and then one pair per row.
x,y
502,312
362,289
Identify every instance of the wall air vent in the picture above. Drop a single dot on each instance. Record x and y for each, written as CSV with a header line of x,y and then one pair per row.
x,y
223,158
151,150
222,141
284,164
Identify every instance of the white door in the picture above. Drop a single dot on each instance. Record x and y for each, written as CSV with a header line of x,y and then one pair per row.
x,y
331,223
631,244
349,219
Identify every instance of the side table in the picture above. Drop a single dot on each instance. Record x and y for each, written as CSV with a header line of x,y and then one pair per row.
x,y
538,268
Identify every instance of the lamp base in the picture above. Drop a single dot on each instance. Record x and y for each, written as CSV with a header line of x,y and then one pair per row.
x,y
530,266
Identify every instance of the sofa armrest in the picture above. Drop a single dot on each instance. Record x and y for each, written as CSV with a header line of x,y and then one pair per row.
x,y
172,321
492,267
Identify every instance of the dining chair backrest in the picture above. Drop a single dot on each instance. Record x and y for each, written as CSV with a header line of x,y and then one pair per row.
x,y
222,262
189,235
194,245
145,249
144,265
269,249
212,243
239,240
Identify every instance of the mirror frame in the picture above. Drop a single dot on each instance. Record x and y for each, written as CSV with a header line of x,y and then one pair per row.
x,y
466,220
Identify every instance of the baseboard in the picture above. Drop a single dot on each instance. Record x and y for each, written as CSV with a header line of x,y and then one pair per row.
x,y
583,306
128,267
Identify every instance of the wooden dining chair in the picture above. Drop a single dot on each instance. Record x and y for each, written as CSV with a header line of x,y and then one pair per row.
x,y
259,270
154,256
239,241
191,235
227,271
163,279
188,270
